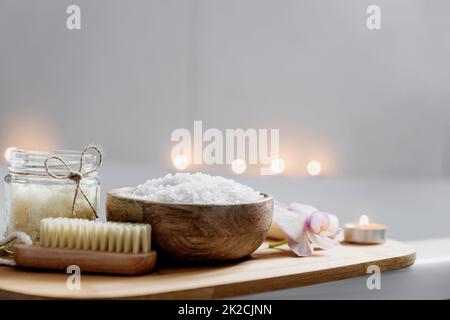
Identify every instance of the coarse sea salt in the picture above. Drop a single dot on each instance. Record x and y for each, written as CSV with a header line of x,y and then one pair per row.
x,y
196,188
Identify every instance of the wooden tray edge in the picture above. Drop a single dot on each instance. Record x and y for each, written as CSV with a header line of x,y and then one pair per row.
x,y
283,282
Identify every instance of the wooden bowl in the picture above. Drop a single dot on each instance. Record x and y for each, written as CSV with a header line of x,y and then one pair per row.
x,y
197,232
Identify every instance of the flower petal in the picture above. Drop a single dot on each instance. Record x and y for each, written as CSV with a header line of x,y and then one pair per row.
x,y
291,223
322,241
314,223
334,222
302,248
275,232
281,204
302,208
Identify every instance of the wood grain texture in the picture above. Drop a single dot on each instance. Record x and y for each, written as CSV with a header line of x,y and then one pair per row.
x,y
39,257
197,232
265,270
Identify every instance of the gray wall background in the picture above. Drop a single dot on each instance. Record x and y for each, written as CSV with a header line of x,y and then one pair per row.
x,y
369,102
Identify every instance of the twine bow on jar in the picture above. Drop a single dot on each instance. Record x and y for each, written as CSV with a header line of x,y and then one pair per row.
x,y
76,176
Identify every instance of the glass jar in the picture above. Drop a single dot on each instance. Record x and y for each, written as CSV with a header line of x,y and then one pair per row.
x,y
32,194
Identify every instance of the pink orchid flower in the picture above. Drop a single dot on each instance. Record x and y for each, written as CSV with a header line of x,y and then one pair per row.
x,y
305,228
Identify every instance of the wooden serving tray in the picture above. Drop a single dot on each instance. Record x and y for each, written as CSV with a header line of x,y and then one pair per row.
x,y
265,270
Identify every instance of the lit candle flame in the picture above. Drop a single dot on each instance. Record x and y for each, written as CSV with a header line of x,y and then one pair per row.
x,y
364,220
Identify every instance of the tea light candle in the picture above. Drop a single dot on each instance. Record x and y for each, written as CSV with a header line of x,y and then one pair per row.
x,y
365,232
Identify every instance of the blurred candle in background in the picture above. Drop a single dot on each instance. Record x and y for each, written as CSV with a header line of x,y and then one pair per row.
x,y
30,132
277,166
313,168
8,153
180,162
238,166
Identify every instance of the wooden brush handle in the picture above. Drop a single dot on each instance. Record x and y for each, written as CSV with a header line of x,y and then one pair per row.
x,y
35,256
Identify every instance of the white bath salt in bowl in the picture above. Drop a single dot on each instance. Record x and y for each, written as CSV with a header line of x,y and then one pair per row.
x,y
198,188
196,217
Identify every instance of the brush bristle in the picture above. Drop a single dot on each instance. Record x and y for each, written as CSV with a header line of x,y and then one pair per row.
x,y
82,234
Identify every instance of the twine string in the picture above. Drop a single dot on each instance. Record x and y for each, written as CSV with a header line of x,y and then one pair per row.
x,y
76,176
6,260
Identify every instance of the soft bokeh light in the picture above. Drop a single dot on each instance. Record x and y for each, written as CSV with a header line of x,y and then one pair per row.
x,y
8,153
180,162
364,220
299,145
238,166
29,131
277,166
313,168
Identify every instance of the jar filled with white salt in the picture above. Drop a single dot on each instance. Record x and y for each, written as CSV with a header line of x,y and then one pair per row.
x,y
50,184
